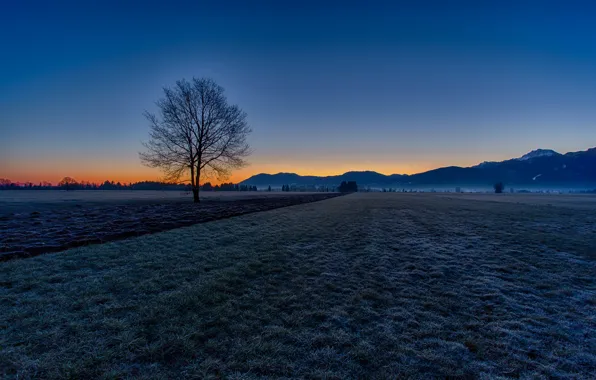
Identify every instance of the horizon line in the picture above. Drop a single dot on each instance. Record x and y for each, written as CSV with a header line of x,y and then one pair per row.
x,y
426,171
310,175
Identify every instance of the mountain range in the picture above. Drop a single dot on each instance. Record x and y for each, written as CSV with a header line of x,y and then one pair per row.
x,y
538,168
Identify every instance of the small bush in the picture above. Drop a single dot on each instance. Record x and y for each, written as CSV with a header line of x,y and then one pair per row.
x,y
348,187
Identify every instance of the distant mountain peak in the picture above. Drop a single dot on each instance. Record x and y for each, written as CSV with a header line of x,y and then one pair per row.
x,y
362,172
484,164
543,167
538,153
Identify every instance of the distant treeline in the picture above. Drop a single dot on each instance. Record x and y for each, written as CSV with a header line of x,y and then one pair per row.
x,y
344,187
69,183
227,187
584,191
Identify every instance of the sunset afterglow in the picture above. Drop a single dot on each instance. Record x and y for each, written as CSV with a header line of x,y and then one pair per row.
x,y
393,97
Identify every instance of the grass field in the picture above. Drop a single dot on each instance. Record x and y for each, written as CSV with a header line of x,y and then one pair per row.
x,y
25,201
362,286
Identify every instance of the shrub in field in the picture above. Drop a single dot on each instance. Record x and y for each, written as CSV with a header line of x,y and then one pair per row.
x,y
499,187
348,187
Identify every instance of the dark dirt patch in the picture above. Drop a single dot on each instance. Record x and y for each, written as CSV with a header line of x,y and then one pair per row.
x,y
31,234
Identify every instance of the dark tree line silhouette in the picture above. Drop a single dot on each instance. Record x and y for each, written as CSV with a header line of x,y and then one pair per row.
x,y
304,188
69,183
227,187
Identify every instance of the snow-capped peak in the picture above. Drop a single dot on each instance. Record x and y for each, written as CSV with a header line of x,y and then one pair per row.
x,y
485,164
538,153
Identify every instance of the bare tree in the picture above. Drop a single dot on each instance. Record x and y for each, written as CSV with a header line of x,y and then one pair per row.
x,y
197,134
68,183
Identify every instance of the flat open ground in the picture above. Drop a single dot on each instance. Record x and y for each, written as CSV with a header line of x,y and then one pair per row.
x,y
55,226
25,201
362,286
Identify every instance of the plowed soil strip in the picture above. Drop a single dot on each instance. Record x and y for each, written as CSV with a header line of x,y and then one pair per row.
x,y
32,234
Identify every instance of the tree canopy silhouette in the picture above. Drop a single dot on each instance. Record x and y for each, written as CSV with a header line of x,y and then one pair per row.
x,y
68,183
196,134
499,187
348,187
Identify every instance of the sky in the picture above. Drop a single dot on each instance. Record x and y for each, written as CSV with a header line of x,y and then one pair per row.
x,y
394,87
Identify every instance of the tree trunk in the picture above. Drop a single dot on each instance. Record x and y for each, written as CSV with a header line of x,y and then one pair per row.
x,y
197,184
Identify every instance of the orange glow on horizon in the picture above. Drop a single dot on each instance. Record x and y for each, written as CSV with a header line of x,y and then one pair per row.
x,y
99,173
127,168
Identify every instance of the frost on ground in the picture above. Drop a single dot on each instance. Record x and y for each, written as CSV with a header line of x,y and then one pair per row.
x,y
362,286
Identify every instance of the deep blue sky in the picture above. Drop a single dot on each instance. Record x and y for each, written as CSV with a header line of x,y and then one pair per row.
x,y
393,87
